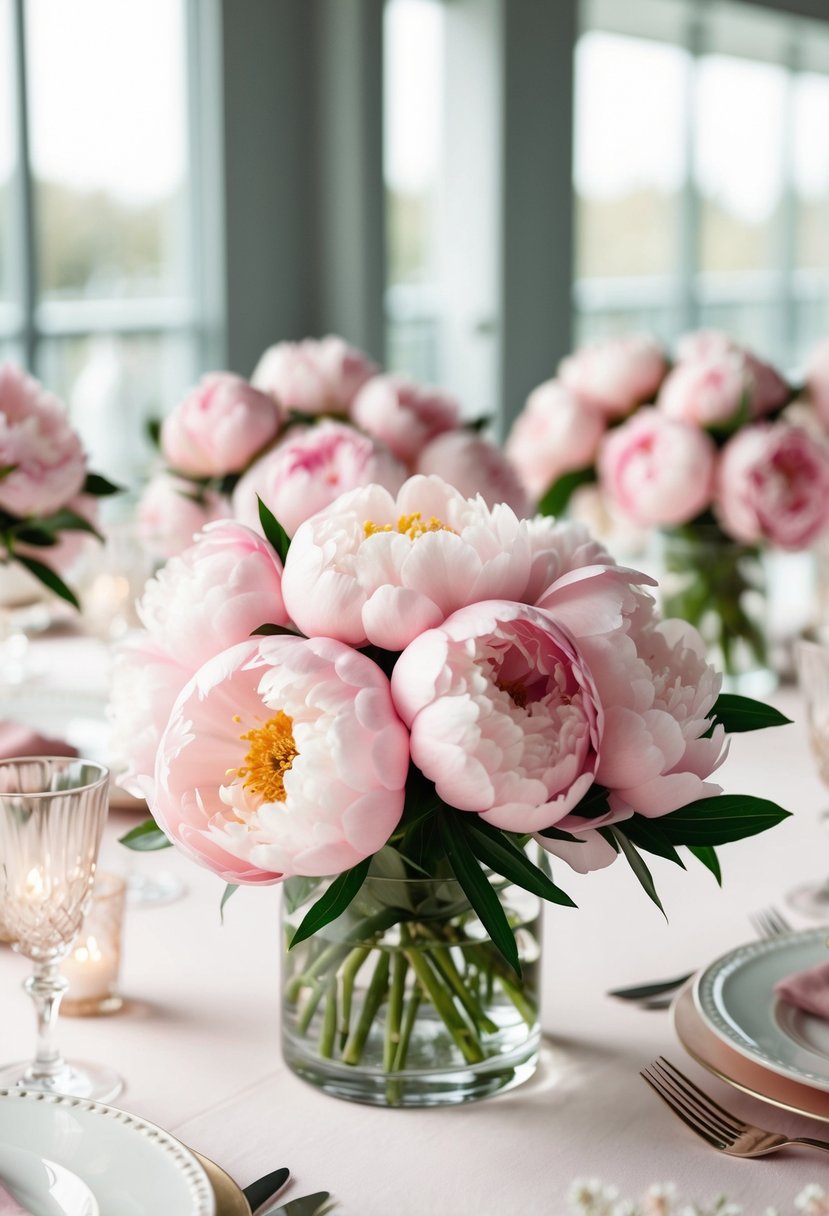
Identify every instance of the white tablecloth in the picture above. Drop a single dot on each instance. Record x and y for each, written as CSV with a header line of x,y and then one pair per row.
x,y
198,1041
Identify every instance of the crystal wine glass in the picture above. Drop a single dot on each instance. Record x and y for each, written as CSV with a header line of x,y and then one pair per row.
x,y
812,662
52,814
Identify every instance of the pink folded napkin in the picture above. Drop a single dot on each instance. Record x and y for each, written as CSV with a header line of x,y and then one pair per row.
x,y
19,740
808,990
9,1205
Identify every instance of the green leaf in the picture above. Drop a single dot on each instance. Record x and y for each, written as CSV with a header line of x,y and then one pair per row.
x,y
230,888
478,890
145,838
638,866
560,834
743,713
558,495
66,520
100,487
49,578
478,424
153,429
32,535
274,532
333,903
6,469
267,631
648,835
721,819
705,854
594,804
502,855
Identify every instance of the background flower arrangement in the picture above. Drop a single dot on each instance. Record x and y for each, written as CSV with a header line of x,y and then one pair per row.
x,y
714,449
316,419
402,698
591,1197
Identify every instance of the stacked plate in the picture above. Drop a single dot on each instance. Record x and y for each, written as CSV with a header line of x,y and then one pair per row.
x,y
733,1023
64,1156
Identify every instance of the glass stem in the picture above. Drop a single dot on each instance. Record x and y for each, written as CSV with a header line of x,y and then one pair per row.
x,y
46,988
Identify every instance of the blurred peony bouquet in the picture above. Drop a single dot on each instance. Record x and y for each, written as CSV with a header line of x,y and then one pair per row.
x,y
706,449
316,419
48,497
403,712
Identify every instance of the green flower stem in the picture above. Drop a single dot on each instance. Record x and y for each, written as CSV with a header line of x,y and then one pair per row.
x,y
377,989
394,1013
310,1007
519,999
329,1020
348,974
409,1019
442,958
332,955
464,1036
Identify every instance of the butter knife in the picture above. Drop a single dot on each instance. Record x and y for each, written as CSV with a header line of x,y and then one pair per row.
x,y
307,1205
263,1189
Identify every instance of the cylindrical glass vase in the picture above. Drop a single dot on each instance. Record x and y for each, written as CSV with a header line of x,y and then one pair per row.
x,y
404,1000
719,585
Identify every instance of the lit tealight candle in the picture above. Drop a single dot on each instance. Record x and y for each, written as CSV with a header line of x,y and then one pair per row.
x,y
93,964
92,972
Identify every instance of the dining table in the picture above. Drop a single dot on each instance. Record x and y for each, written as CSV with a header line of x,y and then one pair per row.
x,y
197,1039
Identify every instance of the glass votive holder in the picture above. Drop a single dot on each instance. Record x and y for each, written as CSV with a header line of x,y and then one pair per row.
x,y
93,965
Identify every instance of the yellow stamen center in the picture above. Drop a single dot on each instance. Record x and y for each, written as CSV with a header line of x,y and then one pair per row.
x,y
271,753
408,525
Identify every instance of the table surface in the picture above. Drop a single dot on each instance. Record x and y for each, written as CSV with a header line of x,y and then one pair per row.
x,y
198,1039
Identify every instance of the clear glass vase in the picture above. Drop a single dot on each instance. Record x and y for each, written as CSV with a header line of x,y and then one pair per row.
x,y
719,586
404,1000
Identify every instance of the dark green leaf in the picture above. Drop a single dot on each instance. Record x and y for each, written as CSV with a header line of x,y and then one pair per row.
x,y
478,424
68,521
594,804
100,487
705,854
145,838
721,819
49,578
648,835
32,535
638,866
275,534
267,631
333,903
743,713
478,890
502,855
229,890
6,469
558,495
153,428
559,834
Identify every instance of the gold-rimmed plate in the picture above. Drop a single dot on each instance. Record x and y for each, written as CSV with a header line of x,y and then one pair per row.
x,y
736,1069
230,1199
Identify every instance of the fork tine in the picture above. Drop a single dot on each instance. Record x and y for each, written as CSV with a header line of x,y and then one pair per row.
x,y
683,1082
769,922
779,921
688,1118
704,1107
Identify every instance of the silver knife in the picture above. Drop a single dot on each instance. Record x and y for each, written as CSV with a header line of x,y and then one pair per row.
x,y
266,1188
307,1205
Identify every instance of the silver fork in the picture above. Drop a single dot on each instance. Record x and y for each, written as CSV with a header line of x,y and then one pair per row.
x,y
717,1126
768,922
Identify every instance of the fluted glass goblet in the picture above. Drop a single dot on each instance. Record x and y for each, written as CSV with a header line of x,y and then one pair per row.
x,y
52,815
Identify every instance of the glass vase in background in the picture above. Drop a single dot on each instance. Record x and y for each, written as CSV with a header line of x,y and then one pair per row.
x,y
404,1000
811,653
719,585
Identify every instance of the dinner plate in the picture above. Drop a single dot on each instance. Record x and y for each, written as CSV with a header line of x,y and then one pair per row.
x,y
735,997
46,1188
230,1198
132,1167
737,1070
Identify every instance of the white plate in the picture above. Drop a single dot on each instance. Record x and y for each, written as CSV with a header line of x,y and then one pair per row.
x,y
44,1187
131,1167
735,997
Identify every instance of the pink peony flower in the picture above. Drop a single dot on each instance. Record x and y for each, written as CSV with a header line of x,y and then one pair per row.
x,y
309,469
214,594
219,426
171,511
555,433
765,387
374,568
707,392
316,376
474,465
589,852
503,714
615,375
817,381
146,679
656,470
402,415
41,457
773,484
282,756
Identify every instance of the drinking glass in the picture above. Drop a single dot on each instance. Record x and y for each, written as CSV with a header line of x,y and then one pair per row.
x,y
52,814
812,662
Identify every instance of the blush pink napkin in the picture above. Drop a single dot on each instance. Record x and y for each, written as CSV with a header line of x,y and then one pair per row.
x,y
808,990
19,740
9,1205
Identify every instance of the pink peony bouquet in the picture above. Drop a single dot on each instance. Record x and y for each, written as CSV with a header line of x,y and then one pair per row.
x,y
413,702
316,419
706,448
48,497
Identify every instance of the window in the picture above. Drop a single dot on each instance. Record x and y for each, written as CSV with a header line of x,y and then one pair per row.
x,y
100,257
702,173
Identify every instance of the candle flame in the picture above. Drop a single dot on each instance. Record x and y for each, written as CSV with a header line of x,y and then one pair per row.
x,y
90,951
34,882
